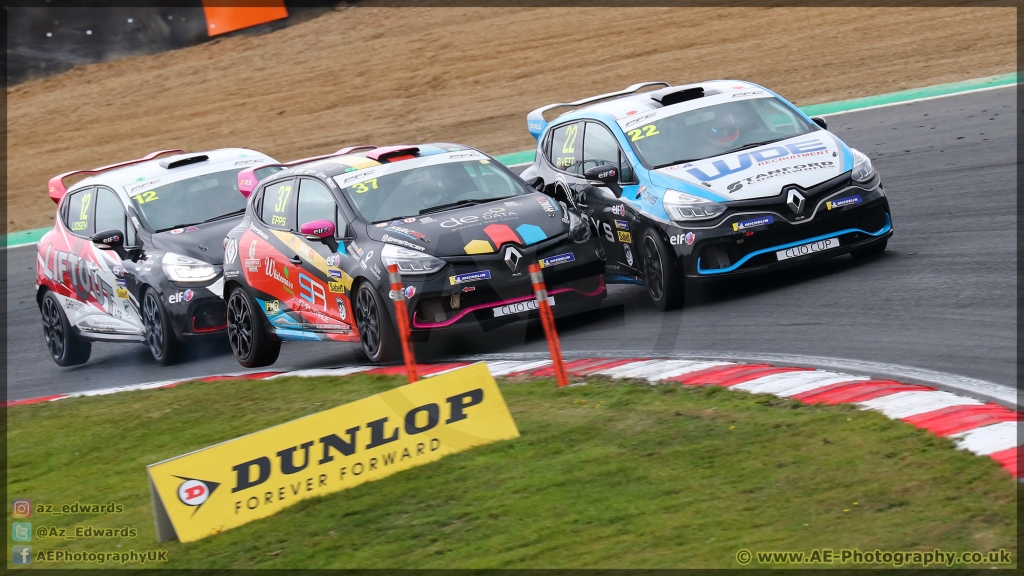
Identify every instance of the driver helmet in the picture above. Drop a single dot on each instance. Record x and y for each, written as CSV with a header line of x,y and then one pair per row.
x,y
722,131
429,191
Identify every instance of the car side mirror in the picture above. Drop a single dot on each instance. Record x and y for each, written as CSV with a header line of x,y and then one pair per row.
x,y
820,122
537,183
604,175
111,240
320,231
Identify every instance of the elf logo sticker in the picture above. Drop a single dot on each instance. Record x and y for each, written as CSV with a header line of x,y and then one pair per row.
x,y
181,297
194,492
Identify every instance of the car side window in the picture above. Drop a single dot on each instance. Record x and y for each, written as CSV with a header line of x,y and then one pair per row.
x,y
626,174
278,208
564,151
78,214
600,148
110,215
316,203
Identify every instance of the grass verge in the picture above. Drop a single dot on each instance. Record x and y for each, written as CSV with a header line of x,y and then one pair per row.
x,y
611,474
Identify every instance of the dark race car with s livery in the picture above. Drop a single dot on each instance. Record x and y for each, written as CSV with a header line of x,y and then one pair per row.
x,y
310,260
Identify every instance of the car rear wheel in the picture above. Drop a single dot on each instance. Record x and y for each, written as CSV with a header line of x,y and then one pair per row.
x,y
250,342
872,250
378,337
65,346
163,345
665,282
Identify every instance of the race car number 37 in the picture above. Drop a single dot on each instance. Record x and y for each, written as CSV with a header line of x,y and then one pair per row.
x,y
807,249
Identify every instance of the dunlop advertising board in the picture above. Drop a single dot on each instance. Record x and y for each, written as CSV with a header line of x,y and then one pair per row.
x,y
217,488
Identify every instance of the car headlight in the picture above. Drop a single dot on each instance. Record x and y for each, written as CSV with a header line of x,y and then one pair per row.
x,y
685,207
862,168
410,261
184,269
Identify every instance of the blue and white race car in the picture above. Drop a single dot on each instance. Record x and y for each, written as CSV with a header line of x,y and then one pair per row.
x,y
707,180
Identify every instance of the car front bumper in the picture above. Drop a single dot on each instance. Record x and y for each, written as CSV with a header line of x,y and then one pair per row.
x,y
724,250
451,298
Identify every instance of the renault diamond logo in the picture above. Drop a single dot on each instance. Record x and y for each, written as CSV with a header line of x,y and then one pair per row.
x,y
795,200
512,258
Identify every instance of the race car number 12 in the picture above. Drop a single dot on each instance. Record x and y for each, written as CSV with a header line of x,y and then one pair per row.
x,y
147,196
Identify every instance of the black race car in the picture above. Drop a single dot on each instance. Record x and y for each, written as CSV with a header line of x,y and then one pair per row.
x,y
707,180
309,261
135,252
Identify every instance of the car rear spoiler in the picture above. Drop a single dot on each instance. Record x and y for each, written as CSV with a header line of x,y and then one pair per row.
x,y
58,188
536,123
247,180
393,153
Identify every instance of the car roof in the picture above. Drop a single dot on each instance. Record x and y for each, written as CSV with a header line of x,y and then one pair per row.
x,y
623,106
327,168
220,159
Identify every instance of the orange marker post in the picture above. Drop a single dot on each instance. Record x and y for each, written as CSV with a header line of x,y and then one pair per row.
x,y
402,316
547,319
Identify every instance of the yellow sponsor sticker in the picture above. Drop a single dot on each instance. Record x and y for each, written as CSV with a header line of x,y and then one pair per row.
x,y
122,293
625,236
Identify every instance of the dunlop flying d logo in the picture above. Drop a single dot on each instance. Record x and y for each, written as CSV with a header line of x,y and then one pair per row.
x,y
238,481
193,492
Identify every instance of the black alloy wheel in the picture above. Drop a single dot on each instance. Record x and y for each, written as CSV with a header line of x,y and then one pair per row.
x,y
163,345
665,282
378,337
65,347
249,340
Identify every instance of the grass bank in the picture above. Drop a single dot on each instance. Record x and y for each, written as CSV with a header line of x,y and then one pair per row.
x,y
610,474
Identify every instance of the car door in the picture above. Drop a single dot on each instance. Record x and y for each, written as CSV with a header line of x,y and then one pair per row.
x,y
322,282
111,215
70,262
610,219
277,266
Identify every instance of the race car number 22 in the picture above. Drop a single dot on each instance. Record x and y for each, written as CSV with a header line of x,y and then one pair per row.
x,y
642,132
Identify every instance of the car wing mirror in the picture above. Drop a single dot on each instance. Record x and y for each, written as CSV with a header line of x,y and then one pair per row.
x,y
537,183
111,240
320,231
604,175
820,122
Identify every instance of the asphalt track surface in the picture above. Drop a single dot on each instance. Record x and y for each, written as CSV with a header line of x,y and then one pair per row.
x,y
942,297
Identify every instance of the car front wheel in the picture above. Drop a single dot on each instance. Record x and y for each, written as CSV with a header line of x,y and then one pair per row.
x,y
377,334
163,345
665,282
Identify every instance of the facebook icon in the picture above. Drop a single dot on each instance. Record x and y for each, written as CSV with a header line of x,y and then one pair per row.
x,y
21,554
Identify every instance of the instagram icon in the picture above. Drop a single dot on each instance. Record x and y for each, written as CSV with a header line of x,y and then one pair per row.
x,y
21,508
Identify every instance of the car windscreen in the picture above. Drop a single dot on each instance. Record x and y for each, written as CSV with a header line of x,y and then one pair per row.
x,y
715,130
191,201
433,188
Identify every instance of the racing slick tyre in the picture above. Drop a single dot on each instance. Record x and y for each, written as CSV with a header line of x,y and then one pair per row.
x,y
665,282
65,346
163,345
378,336
252,345
872,250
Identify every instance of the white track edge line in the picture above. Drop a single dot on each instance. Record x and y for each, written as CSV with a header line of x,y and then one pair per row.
x,y
966,385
